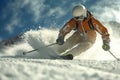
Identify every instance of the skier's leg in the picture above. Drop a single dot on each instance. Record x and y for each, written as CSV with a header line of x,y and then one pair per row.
x,y
81,47
70,42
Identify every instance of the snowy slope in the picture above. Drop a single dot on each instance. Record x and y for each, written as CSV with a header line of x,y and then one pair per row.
x,y
38,69
94,64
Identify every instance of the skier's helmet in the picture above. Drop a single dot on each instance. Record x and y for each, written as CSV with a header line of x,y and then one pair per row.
x,y
79,12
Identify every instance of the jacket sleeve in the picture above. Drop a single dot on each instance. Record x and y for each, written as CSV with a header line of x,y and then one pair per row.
x,y
67,28
101,29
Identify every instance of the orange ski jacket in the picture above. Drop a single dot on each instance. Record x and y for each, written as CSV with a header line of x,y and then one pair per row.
x,y
88,26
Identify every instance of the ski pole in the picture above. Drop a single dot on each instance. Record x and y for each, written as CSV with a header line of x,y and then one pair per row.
x,y
24,53
113,55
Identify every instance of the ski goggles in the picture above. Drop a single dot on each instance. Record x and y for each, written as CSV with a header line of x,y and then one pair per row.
x,y
79,17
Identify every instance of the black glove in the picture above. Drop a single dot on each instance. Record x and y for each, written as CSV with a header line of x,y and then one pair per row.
x,y
60,41
106,46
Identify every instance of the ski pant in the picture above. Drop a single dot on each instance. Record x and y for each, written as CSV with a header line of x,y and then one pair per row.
x,y
75,45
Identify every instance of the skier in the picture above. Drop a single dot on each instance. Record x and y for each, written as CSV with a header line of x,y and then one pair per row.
x,y
85,26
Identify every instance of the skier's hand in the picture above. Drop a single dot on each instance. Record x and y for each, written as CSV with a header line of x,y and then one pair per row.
x,y
60,41
106,46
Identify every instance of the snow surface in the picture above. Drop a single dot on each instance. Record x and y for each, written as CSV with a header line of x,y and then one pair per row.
x,y
38,69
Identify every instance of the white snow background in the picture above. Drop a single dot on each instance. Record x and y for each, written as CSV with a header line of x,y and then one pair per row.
x,y
94,64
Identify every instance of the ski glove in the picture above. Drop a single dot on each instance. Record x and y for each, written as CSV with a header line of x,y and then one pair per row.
x,y
106,46
60,40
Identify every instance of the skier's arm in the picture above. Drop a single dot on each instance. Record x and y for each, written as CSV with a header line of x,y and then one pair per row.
x,y
101,29
67,28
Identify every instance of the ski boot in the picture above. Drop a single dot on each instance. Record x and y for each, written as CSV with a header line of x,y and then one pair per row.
x,y
67,57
